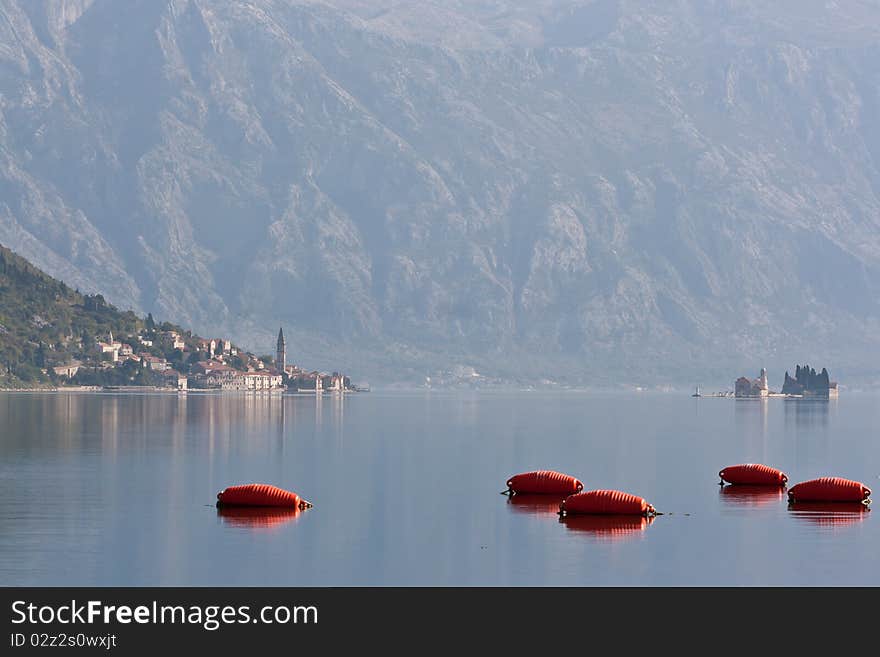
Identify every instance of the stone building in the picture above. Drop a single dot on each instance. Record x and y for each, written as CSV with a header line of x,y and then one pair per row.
x,y
752,387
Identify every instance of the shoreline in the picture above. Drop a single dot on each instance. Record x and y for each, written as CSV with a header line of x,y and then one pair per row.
x,y
175,391
772,395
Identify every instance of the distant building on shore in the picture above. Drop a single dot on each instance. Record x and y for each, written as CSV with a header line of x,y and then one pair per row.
x,y
68,370
174,379
154,362
752,387
244,381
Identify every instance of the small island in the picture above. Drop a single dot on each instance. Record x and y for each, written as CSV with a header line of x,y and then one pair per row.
x,y
806,383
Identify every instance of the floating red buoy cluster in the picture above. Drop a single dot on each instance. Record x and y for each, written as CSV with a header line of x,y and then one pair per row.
x,y
823,489
594,502
601,502
747,476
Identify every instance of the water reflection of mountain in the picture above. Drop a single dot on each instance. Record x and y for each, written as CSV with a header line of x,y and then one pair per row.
x,y
131,419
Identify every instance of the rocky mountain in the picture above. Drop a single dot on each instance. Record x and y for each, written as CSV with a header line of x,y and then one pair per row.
x,y
579,190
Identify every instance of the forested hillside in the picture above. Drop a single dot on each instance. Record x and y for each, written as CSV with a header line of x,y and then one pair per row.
x,y
45,323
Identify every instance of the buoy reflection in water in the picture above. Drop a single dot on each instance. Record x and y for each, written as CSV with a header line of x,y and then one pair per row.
x,y
256,518
829,514
608,527
752,496
535,504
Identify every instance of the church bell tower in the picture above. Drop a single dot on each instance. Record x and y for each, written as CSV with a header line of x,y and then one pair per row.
x,y
281,351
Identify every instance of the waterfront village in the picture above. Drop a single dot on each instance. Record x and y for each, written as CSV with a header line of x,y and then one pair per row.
x,y
806,383
169,359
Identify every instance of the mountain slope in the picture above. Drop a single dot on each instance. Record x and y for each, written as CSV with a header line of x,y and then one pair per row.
x,y
583,190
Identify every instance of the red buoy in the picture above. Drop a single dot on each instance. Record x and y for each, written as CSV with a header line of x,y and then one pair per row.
x,y
755,474
260,495
606,502
829,489
544,482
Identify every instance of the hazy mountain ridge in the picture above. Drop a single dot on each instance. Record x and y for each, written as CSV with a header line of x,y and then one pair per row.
x,y
663,190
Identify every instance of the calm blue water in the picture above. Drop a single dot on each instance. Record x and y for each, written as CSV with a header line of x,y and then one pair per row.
x,y
103,489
